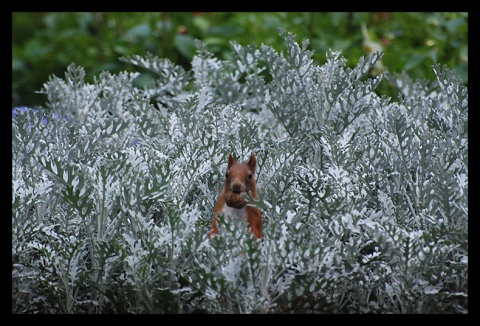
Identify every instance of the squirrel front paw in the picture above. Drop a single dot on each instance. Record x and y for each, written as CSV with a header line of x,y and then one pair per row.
x,y
235,200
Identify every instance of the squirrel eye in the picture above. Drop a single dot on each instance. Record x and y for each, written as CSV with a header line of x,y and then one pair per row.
x,y
250,175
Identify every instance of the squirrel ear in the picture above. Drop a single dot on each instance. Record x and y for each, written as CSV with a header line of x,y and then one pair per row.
x,y
252,162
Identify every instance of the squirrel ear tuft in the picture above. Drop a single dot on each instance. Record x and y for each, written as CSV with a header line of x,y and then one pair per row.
x,y
231,160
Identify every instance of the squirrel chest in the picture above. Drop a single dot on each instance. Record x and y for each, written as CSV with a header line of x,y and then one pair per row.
x,y
237,215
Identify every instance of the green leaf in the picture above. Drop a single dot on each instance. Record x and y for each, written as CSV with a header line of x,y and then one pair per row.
x,y
185,44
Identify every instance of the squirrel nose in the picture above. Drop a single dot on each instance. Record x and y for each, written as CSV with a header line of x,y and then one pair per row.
x,y
236,187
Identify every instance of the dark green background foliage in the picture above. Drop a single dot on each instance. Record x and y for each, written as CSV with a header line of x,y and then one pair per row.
x,y
364,197
46,43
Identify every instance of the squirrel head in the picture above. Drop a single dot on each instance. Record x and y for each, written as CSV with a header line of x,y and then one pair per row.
x,y
240,177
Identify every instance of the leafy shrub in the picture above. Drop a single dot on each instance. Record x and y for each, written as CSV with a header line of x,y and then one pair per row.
x,y
45,43
364,199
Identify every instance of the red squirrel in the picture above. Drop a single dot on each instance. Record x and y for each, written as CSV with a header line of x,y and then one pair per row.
x,y
240,179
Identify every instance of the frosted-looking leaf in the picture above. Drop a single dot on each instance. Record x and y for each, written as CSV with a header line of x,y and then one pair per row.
x,y
110,128
53,167
241,66
75,182
290,216
65,175
204,98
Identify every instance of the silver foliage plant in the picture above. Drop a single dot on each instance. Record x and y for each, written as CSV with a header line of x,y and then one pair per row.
x,y
364,198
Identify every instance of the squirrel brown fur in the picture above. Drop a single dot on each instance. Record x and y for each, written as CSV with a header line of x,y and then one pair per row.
x,y
239,180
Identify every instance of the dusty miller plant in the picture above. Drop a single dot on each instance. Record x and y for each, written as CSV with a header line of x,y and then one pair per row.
x,y
364,198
